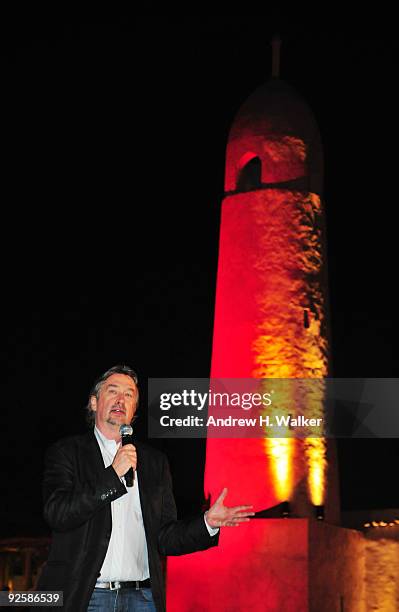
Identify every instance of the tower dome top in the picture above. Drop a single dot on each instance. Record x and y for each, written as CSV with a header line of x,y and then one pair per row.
x,y
275,126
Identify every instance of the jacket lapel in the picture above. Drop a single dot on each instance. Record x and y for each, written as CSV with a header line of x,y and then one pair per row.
x,y
94,456
142,471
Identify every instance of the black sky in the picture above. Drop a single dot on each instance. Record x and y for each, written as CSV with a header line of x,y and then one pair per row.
x,y
113,160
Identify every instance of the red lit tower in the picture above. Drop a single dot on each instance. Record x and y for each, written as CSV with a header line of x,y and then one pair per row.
x,y
271,321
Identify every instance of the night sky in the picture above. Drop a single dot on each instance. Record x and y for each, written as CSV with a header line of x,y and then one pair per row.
x,y
113,140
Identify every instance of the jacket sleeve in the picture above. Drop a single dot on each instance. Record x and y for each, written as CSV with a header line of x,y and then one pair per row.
x,y
68,501
180,537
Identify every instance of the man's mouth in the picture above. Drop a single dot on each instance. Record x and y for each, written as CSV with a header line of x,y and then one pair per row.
x,y
118,410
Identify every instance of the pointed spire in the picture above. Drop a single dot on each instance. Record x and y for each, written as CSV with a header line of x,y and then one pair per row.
x,y
276,45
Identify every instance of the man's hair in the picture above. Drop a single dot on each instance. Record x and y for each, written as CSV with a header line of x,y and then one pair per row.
x,y
95,390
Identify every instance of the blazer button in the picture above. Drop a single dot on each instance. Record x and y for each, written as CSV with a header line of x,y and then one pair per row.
x,y
103,496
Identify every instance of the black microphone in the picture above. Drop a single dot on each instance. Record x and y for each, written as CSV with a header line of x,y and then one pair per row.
x,y
126,432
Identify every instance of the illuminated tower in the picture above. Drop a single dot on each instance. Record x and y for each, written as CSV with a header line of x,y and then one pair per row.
x,y
271,321
271,315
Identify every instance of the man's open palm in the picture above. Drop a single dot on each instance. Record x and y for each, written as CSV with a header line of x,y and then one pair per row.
x,y
220,515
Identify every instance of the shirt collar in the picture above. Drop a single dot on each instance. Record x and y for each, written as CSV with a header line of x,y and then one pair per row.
x,y
110,445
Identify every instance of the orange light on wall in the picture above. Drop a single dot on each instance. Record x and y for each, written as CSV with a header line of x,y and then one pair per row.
x,y
280,452
315,451
382,556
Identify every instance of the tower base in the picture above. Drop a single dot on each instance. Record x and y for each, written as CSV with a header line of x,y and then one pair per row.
x,y
273,565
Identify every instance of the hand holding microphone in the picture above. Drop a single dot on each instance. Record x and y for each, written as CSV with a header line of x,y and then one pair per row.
x,y
125,461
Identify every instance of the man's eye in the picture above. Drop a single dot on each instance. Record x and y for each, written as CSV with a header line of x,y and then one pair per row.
x,y
129,394
113,391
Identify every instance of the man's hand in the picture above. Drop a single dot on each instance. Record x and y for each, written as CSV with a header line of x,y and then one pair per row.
x,y
125,458
220,515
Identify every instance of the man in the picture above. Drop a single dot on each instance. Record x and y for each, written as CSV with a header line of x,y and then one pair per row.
x,y
108,539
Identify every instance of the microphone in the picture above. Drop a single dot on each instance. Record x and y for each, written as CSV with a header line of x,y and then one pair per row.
x,y
126,432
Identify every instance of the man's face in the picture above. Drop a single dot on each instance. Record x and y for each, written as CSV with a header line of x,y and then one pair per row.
x,y
117,401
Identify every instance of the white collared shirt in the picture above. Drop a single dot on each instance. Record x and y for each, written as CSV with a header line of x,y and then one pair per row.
x,y
127,555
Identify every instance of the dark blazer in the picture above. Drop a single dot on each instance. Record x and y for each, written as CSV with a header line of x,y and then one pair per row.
x,y
78,491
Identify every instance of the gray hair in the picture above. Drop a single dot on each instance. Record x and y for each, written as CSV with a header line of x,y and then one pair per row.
x,y
95,390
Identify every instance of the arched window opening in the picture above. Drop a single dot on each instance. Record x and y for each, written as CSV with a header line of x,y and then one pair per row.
x,y
250,175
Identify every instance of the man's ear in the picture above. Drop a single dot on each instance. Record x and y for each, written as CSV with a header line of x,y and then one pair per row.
x,y
93,403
